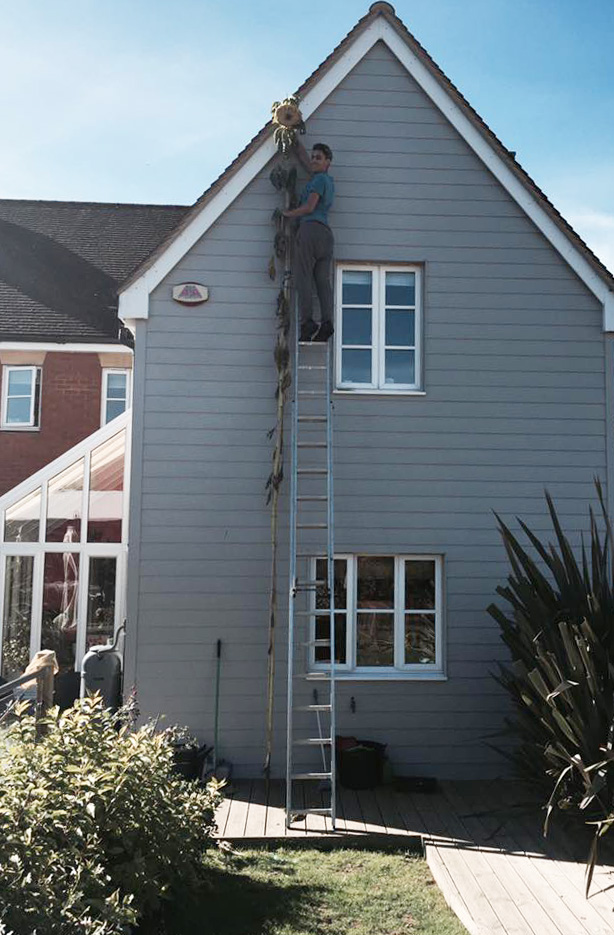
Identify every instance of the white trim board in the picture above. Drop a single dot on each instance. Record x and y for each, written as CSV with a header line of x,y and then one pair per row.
x,y
134,300
73,348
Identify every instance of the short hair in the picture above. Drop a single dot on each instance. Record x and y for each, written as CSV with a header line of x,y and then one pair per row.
x,y
323,148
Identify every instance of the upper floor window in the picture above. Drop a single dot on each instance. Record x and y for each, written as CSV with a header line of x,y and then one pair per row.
x,y
20,397
115,393
379,328
388,615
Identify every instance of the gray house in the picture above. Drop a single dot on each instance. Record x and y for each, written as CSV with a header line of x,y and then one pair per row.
x,y
503,387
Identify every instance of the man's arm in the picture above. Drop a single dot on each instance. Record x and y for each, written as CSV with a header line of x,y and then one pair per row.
x,y
308,208
303,156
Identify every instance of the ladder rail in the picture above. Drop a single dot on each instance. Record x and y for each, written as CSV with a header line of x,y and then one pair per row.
x,y
331,579
309,580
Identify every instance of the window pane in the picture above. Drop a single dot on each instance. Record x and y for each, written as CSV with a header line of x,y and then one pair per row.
x,y
400,328
356,287
59,623
356,366
100,602
400,367
420,639
21,520
400,288
18,411
375,639
116,385
64,504
20,383
356,326
375,582
420,585
106,500
17,615
340,584
322,653
114,408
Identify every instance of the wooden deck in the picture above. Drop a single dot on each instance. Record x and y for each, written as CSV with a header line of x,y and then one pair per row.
x,y
483,846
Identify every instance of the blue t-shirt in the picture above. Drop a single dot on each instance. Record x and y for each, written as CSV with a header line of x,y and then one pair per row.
x,y
324,186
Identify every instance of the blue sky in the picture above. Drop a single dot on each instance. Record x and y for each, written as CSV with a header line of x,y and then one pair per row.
x,y
149,100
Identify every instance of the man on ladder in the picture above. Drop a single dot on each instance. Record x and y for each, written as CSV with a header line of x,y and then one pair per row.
x,y
313,261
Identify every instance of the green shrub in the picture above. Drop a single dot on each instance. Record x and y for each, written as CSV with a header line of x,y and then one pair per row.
x,y
559,628
95,828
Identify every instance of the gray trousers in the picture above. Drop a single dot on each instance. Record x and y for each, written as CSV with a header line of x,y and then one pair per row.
x,y
313,263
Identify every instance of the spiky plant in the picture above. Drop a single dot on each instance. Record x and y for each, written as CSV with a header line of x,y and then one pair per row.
x,y
559,628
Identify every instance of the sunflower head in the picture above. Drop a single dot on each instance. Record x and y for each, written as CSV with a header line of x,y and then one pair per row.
x,y
286,114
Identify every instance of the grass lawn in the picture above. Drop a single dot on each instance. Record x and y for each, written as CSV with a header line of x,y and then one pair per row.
x,y
306,891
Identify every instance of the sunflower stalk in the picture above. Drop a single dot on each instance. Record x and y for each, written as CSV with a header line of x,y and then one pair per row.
x,y
283,179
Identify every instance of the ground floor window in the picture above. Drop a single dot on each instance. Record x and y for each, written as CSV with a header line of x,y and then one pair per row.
x,y
388,612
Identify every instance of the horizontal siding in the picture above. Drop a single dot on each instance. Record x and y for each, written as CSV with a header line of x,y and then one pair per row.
x,y
514,379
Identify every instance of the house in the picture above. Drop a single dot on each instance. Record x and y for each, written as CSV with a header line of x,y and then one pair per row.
x,y
66,360
66,370
500,386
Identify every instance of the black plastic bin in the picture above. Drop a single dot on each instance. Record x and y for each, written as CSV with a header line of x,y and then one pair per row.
x,y
361,764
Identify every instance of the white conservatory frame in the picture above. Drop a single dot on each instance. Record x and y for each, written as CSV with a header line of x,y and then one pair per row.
x,y
84,549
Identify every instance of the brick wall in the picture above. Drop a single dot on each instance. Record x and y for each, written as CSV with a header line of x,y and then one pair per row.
x,y
70,410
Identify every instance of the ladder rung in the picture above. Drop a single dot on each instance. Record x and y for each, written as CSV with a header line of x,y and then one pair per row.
x,y
312,367
314,707
311,525
317,811
310,499
312,418
312,393
311,470
317,643
312,776
313,742
312,445
313,583
315,676
304,613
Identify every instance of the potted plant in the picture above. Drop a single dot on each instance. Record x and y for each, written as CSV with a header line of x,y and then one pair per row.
x,y
185,748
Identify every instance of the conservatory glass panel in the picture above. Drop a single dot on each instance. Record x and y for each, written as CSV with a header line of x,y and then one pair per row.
x,y
60,591
106,499
64,504
22,519
101,601
17,616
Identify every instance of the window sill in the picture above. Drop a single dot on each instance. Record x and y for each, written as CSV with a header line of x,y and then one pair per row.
x,y
373,392
20,428
396,676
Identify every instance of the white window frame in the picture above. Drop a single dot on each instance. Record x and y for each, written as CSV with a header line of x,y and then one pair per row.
x,y
34,418
378,333
400,669
104,398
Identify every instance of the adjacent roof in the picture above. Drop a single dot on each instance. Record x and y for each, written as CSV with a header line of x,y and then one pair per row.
x,y
385,12
61,263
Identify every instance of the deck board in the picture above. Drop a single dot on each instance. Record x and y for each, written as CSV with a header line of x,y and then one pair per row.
x,y
488,856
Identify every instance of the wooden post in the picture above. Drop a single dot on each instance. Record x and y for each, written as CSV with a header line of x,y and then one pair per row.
x,y
44,688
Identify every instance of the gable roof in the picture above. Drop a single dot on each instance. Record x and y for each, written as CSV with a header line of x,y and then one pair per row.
x,y
380,23
61,263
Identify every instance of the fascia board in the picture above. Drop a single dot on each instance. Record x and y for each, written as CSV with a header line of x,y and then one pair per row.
x,y
134,301
525,200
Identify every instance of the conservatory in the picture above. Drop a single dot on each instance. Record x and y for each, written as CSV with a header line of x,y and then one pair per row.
x,y
63,552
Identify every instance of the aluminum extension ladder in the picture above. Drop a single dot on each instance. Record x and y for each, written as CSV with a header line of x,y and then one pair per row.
x,y
311,538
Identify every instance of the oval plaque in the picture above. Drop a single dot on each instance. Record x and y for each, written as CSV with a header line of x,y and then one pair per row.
x,y
190,293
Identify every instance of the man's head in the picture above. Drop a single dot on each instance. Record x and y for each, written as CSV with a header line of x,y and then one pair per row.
x,y
321,157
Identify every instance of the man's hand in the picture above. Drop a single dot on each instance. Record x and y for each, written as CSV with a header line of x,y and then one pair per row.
x,y
308,208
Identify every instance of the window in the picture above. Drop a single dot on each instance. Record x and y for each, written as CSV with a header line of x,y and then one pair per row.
x,y
21,397
378,331
388,616
115,394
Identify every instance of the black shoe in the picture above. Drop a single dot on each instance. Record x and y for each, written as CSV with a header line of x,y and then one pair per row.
x,y
308,330
324,332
